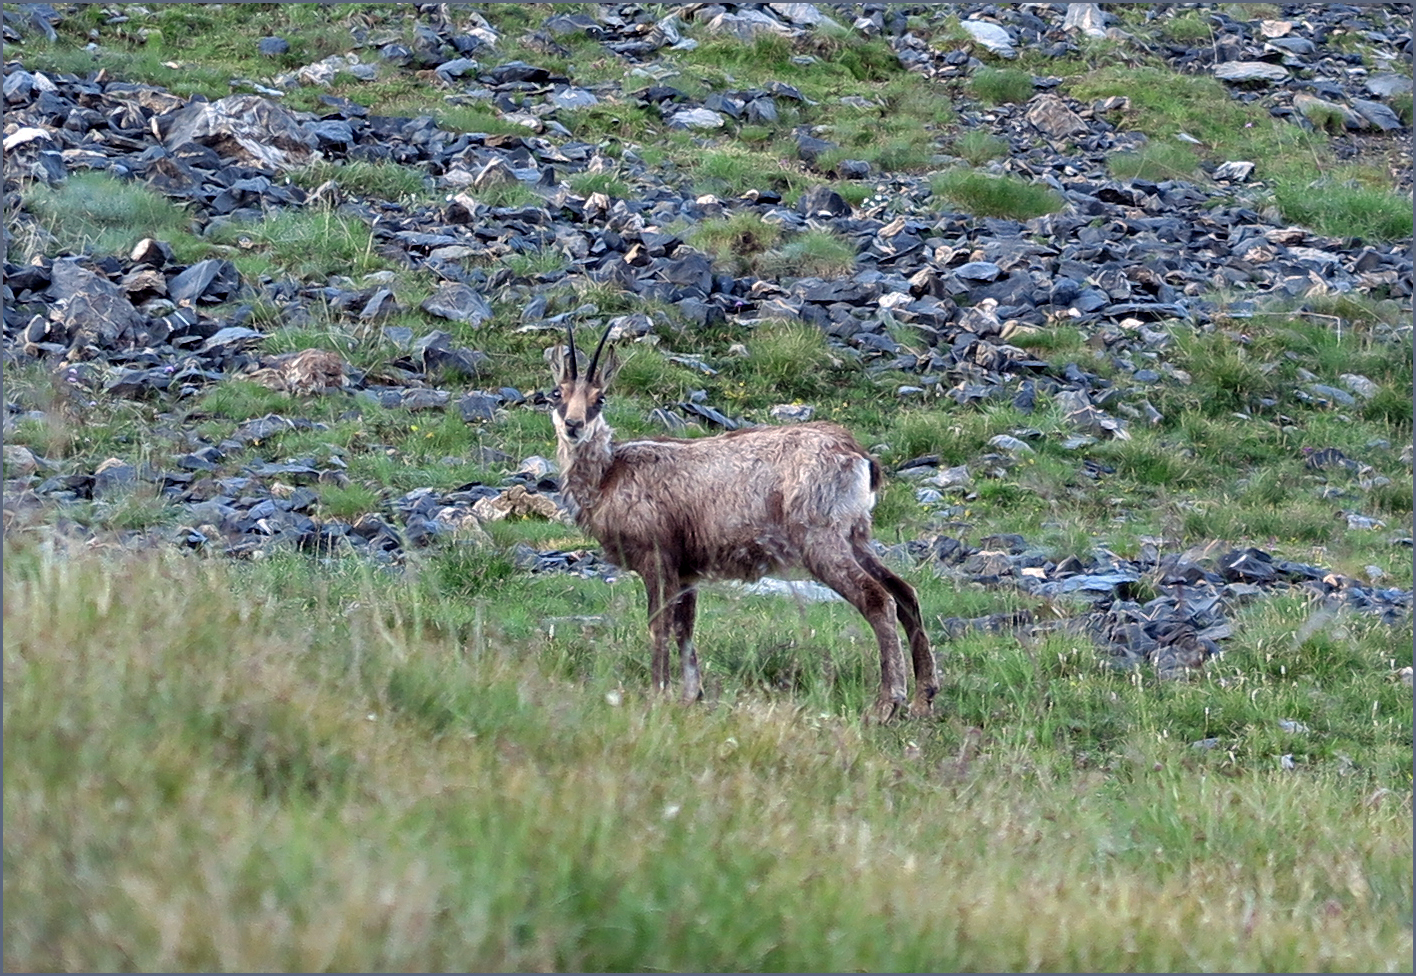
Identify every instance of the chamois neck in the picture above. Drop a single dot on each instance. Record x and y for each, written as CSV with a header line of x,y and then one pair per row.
x,y
583,463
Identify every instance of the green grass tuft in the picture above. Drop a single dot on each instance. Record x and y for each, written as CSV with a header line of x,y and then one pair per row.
x,y
313,243
93,213
995,196
187,745
1156,161
814,253
978,147
736,242
607,183
786,360
1401,105
999,86
1188,28
1345,210
381,181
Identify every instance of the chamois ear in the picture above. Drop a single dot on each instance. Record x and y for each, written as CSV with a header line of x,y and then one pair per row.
x,y
562,361
606,369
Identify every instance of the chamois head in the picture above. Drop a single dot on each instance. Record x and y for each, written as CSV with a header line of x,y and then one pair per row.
x,y
577,400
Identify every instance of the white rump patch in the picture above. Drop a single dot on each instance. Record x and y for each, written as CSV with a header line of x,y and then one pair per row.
x,y
861,470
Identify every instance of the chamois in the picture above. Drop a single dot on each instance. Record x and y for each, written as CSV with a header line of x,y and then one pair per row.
x,y
734,506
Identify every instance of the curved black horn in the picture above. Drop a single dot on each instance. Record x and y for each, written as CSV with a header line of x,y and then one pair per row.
x,y
574,369
595,359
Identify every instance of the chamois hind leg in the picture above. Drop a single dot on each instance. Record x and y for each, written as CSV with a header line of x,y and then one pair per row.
x,y
907,608
840,571
683,610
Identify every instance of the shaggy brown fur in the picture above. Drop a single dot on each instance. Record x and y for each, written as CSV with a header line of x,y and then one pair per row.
x,y
735,506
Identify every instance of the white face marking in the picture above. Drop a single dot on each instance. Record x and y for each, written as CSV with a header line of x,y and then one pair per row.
x,y
577,407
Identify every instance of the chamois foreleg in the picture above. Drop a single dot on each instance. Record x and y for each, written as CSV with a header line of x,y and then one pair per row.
x,y
684,609
907,608
660,590
837,567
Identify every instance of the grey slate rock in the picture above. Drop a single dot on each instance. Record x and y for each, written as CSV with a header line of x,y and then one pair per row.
x,y
475,407
995,37
1377,114
1250,71
979,271
459,303
211,281
822,201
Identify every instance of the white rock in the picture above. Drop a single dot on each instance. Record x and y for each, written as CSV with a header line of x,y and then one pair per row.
x,y
792,412
573,98
696,118
803,14
748,23
1360,385
956,477
1085,17
23,135
1234,171
807,591
992,36
323,72
1250,71
1314,254
1009,443
537,467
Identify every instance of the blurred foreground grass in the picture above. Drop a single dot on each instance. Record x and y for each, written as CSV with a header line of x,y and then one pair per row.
x,y
272,766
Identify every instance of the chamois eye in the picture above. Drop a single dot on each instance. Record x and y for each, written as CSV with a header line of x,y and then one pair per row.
x,y
600,400
556,394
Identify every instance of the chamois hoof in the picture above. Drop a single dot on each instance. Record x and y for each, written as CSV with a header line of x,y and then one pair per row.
x,y
884,712
921,708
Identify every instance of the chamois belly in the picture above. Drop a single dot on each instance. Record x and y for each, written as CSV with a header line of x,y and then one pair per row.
x,y
716,543
735,507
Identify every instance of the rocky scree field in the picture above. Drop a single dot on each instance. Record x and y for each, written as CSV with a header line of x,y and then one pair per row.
x,y
305,669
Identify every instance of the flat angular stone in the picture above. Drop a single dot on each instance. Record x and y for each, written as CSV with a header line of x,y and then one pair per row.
x,y
697,118
213,281
1085,17
1250,71
1051,116
476,407
1386,85
1377,115
458,303
1233,172
572,98
248,128
979,271
995,37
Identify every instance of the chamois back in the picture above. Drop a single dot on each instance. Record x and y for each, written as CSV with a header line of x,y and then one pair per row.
x,y
735,506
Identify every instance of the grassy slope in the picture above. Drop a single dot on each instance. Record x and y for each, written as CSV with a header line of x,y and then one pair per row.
x,y
198,778
296,765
